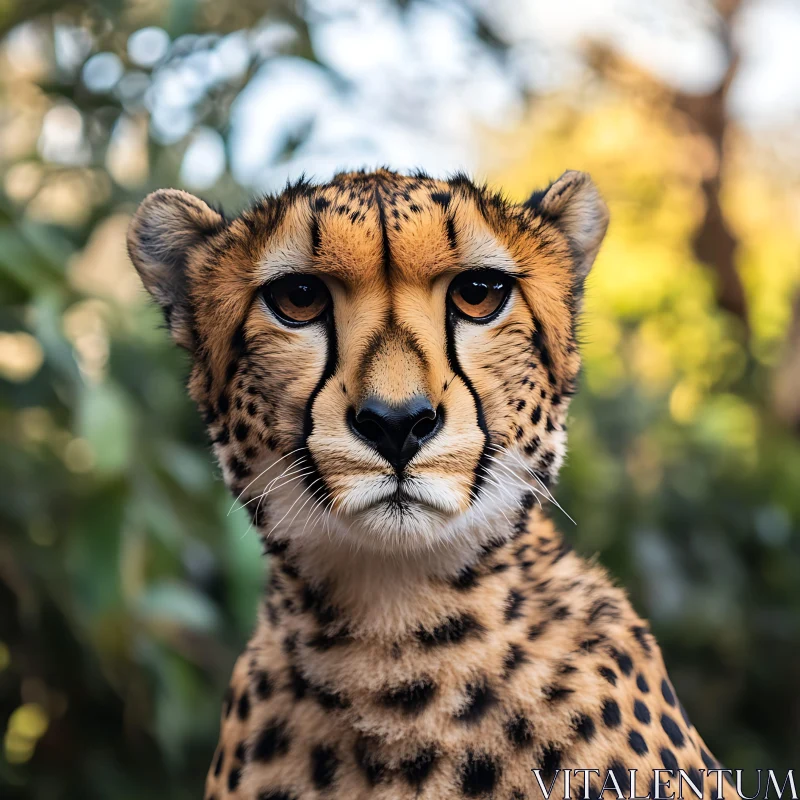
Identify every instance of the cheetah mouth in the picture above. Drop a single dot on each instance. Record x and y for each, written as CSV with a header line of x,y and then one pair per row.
x,y
401,496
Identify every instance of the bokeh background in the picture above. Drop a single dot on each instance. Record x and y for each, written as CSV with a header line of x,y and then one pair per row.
x,y
126,587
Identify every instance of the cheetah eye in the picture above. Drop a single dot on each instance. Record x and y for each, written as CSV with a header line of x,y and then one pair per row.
x,y
479,294
297,299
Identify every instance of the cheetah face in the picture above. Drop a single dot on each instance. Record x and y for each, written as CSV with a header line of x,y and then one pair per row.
x,y
393,355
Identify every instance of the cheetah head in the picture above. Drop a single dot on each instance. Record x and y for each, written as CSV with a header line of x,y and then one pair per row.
x,y
382,360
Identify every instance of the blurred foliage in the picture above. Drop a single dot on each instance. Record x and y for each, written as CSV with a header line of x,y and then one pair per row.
x,y
679,473
127,587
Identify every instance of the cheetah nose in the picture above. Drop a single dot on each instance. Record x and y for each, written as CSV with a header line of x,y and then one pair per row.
x,y
396,431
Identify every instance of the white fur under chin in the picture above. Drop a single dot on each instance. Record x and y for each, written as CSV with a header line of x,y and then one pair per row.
x,y
427,524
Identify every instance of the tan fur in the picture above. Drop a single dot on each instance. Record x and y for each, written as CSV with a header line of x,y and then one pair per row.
x,y
425,633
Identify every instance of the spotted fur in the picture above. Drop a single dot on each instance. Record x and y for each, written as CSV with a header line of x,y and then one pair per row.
x,y
428,633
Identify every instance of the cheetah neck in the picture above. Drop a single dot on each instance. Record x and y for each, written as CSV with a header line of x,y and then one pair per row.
x,y
370,597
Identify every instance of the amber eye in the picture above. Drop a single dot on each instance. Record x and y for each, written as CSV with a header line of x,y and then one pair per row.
x,y
297,299
478,294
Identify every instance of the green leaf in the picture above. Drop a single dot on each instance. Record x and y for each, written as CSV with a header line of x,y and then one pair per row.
x,y
105,421
176,603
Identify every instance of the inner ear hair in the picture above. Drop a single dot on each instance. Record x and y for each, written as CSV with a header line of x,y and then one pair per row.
x,y
166,227
574,205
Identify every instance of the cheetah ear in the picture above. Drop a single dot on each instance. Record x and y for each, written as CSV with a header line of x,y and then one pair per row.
x,y
575,206
166,227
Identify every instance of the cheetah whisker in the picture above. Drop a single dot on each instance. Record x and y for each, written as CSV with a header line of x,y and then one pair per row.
x,y
519,481
286,482
544,492
263,472
305,489
533,474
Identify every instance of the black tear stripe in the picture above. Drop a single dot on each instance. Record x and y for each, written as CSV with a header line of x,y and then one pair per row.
x,y
315,482
481,468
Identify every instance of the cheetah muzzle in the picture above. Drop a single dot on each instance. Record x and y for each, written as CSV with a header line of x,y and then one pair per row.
x,y
384,364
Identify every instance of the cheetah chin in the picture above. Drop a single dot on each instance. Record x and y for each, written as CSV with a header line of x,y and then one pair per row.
x,y
384,364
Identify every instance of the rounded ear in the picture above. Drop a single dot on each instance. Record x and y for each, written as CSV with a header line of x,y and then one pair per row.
x,y
166,227
573,204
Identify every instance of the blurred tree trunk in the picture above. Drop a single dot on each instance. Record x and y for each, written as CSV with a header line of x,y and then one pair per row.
x,y
714,242
786,389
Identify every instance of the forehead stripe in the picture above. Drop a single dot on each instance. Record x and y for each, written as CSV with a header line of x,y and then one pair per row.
x,y
387,253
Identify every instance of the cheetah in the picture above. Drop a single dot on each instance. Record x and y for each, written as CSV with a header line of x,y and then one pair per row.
x,y
384,363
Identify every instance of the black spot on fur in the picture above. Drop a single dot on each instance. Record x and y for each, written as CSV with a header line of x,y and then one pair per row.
x,y
218,763
289,569
696,778
416,770
373,768
330,700
223,437
550,762
262,685
641,683
238,468
684,715
452,631
584,726
623,662
480,698
672,730
608,674
519,731
641,712
641,634
637,743
588,645
466,579
323,641
603,608
611,715
314,600
669,761
514,657
442,198
241,752
666,691
555,693
233,779
243,706
241,431
513,605
297,683
276,794
622,775
324,764
273,741
479,774
535,631
412,697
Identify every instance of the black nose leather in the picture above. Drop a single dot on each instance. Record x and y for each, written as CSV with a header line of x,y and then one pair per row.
x,y
396,431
